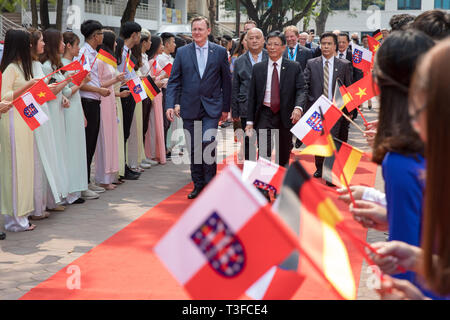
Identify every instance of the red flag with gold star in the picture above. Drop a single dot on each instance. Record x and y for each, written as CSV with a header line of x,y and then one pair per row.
x,y
374,45
361,91
41,92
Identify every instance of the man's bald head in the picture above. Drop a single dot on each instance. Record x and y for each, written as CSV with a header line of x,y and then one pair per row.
x,y
255,40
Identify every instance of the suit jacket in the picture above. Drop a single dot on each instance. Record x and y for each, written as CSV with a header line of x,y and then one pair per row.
x,y
314,77
185,86
292,91
303,55
242,75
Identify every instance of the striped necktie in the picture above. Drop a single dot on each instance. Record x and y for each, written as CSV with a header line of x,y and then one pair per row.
x,y
326,76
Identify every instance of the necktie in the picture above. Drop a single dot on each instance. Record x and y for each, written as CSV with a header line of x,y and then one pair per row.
x,y
275,90
201,62
326,75
341,56
291,56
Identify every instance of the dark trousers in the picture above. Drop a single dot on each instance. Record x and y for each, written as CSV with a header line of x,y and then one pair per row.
x,y
146,107
340,131
91,110
128,105
271,122
203,169
249,143
166,121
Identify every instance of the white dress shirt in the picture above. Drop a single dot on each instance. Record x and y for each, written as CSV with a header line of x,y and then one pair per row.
x,y
269,79
89,55
344,55
145,68
205,53
164,59
122,68
330,77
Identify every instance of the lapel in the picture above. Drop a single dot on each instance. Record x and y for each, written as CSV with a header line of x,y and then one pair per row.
x,y
211,57
194,57
297,57
264,76
336,65
248,62
320,67
283,72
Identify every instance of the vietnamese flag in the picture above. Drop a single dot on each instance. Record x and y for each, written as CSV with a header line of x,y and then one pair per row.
x,y
362,58
73,66
309,127
315,218
218,249
41,92
374,45
168,69
30,111
348,157
361,91
79,77
267,175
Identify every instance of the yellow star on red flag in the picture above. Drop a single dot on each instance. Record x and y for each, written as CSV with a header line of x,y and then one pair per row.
x,y
41,94
361,92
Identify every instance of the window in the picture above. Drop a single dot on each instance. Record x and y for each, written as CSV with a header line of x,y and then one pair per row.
x,y
368,3
340,5
409,4
442,4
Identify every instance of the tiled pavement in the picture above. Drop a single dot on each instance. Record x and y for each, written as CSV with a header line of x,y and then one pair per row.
x,y
28,258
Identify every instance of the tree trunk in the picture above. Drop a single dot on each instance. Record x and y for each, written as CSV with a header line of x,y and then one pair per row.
x,y
321,19
238,18
130,11
212,16
34,14
59,11
43,11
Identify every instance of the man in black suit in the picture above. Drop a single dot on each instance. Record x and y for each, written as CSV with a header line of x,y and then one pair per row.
x,y
320,79
276,100
241,81
345,52
294,51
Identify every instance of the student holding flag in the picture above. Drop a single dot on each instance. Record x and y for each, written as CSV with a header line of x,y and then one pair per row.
x,y
51,61
75,132
16,138
91,94
131,33
107,154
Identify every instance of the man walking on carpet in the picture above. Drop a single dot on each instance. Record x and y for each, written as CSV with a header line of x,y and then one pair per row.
x,y
201,83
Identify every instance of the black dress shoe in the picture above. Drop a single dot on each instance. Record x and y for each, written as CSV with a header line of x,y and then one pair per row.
x,y
298,143
194,193
2,236
79,201
132,172
318,174
130,176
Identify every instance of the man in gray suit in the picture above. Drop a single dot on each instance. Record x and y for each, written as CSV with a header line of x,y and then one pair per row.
x,y
241,80
320,79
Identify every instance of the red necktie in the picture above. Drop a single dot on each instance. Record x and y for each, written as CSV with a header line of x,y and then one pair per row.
x,y
275,91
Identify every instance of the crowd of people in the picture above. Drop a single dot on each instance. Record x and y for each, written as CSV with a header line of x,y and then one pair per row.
x,y
258,82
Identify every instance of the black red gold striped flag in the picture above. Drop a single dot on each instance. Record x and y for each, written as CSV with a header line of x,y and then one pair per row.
x,y
150,87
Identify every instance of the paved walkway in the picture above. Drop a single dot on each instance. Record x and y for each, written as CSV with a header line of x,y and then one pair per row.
x,y
28,258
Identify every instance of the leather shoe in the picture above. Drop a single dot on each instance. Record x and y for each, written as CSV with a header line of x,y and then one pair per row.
x,y
2,236
318,174
194,193
330,184
298,143
130,176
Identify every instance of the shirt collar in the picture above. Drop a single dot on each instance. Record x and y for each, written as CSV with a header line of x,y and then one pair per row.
x,y
278,61
89,48
330,61
125,48
205,46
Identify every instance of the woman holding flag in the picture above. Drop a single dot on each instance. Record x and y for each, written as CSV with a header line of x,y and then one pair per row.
x,y
107,151
51,63
16,138
74,126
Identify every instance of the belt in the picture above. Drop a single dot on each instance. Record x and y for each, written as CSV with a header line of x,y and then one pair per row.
x,y
90,100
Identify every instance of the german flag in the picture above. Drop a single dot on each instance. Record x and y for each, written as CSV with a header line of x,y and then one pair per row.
x,y
150,87
341,95
377,35
323,146
348,158
129,64
374,45
314,217
107,57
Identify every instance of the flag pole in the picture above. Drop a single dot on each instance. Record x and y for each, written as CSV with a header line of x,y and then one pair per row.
x,y
352,122
364,119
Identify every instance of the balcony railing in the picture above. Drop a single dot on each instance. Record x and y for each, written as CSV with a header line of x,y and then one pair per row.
x,y
116,8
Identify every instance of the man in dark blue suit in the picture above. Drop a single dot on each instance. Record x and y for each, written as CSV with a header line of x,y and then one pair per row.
x,y
200,83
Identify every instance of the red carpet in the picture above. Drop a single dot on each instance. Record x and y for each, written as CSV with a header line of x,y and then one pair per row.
x,y
124,266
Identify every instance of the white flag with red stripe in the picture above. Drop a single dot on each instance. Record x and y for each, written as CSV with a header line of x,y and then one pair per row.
x,y
30,111
362,58
267,175
217,249
309,127
137,89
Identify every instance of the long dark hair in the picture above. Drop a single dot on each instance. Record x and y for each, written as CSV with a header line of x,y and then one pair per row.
x,y
136,51
52,39
431,81
109,39
119,49
156,43
17,49
35,35
394,65
239,49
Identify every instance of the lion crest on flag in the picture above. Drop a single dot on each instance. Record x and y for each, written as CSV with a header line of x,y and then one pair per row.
x,y
137,89
357,56
314,122
221,247
30,111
